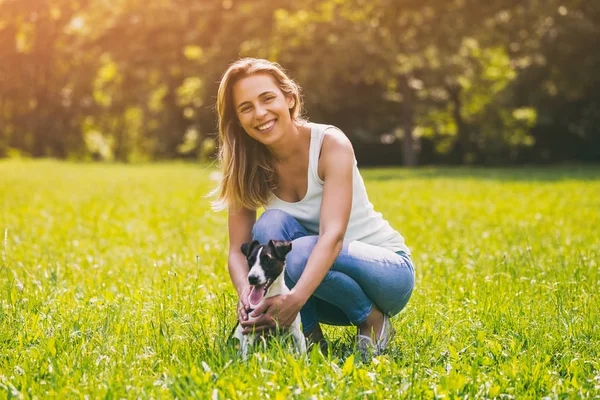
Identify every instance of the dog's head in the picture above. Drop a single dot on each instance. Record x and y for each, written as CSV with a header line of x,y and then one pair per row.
x,y
266,263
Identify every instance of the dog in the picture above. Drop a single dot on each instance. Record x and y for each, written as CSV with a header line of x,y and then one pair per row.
x,y
266,278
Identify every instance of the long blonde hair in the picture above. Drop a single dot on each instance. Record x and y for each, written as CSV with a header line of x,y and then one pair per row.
x,y
249,177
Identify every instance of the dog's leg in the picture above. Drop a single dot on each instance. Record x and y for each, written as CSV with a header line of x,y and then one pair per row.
x,y
244,348
299,339
251,337
243,352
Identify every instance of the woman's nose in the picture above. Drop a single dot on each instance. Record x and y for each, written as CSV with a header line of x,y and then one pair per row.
x,y
260,111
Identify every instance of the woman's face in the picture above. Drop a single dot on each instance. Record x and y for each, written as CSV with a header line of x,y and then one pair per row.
x,y
262,108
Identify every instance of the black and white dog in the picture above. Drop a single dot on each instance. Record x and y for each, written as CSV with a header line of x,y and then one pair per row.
x,y
266,277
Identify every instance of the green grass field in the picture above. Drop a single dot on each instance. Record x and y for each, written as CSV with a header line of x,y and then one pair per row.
x,y
113,284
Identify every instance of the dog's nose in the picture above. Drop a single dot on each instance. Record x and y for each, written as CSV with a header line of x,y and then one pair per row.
x,y
253,280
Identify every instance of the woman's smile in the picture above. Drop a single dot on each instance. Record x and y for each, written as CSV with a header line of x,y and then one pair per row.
x,y
267,126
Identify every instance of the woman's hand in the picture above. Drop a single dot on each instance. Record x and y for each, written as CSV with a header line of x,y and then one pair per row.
x,y
275,311
243,306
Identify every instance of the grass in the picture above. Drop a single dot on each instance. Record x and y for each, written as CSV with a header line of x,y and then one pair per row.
x,y
113,284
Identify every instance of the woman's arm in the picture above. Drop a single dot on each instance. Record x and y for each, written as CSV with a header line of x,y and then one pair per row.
x,y
336,164
240,223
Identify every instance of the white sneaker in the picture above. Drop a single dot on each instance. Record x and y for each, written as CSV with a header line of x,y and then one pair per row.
x,y
365,345
366,348
386,334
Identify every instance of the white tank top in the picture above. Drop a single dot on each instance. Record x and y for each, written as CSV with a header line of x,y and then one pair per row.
x,y
365,225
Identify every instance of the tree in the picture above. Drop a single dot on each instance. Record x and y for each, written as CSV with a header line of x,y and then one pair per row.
x,y
41,76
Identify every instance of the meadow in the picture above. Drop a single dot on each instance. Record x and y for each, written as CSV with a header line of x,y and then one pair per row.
x,y
113,284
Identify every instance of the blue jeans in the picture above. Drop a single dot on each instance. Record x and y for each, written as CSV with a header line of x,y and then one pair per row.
x,y
362,276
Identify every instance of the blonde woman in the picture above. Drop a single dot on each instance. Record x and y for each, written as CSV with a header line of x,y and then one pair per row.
x,y
347,265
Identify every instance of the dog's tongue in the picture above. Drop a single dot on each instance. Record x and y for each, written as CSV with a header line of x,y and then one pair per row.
x,y
256,294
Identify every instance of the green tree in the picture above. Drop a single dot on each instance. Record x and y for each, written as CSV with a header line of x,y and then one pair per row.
x,y
43,77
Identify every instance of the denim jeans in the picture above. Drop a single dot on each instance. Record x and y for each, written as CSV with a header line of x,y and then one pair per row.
x,y
361,277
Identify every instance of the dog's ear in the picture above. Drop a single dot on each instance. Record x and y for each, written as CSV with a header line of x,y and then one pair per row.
x,y
281,247
247,248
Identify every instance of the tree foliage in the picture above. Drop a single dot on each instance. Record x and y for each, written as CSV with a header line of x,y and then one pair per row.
x,y
455,81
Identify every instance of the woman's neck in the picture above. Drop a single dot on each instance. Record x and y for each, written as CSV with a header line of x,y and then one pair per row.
x,y
291,145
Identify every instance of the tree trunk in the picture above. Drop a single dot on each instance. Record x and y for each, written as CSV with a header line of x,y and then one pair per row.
x,y
408,123
464,137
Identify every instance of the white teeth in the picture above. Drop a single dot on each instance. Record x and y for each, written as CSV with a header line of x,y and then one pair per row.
x,y
266,126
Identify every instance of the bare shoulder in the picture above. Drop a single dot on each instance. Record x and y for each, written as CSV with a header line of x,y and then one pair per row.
x,y
335,141
337,153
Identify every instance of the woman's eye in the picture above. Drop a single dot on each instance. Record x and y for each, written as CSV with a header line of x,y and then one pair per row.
x,y
269,98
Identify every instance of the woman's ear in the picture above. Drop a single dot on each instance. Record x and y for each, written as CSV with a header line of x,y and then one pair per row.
x,y
291,102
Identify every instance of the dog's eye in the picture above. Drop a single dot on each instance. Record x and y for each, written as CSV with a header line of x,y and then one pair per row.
x,y
269,258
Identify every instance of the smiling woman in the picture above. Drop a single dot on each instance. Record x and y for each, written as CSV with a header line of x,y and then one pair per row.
x,y
263,110
248,171
347,266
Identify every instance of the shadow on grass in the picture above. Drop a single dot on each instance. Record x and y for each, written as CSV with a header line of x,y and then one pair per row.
x,y
338,349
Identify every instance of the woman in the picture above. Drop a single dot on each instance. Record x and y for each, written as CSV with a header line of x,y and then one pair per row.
x,y
347,265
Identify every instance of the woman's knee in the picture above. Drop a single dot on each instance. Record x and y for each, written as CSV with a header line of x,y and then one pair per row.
x,y
296,259
405,292
271,225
